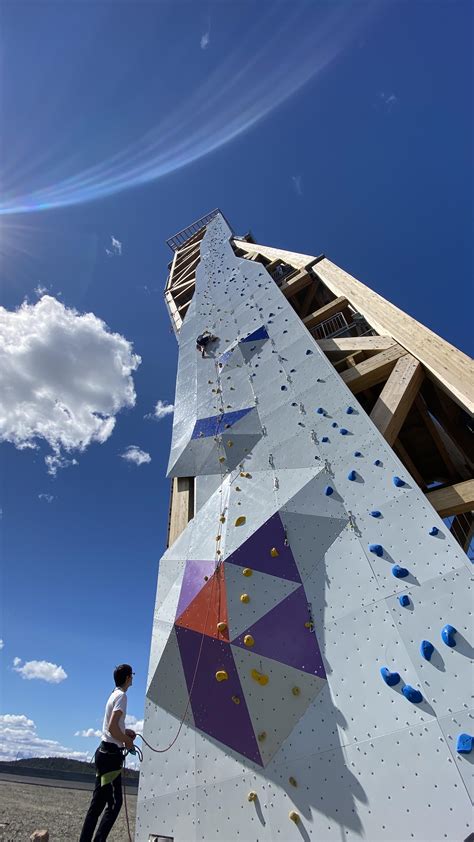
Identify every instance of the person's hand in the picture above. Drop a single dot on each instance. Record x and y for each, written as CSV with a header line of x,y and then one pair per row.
x,y
130,732
128,741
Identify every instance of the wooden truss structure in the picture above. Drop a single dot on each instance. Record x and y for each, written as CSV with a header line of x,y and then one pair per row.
x,y
417,388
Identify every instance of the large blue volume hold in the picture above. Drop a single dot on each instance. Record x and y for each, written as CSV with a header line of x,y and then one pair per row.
x,y
447,633
465,743
390,678
412,694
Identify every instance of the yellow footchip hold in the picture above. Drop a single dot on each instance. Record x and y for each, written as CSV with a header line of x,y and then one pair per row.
x,y
252,796
296,691
240,520
293,781
294,816
221,458
222,519
244,597
246,571
222,627
248,640
221,675
259,677
236,700
262,736
274,552
245,474
230,443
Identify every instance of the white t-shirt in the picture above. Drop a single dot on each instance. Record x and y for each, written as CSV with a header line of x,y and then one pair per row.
x,y
116,701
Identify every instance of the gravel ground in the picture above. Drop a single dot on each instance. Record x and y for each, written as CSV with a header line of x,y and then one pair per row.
x,y
28,807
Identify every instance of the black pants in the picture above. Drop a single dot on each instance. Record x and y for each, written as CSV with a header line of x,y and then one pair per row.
x,y
108,758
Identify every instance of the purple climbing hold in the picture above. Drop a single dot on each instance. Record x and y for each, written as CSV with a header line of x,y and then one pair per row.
x,y
377,549
398,482
412,694
351,475
328,491
434,530
390,678
399,572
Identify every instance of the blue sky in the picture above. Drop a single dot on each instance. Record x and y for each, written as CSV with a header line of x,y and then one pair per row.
x,y
344,129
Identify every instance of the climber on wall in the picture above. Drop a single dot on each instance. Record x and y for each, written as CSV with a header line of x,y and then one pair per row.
x,y
109,759
204,339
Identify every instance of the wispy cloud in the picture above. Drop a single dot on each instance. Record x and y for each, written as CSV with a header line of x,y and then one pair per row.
x,y
297,184
65,377
115,249
388,101
132,453
161,410
48,498
88,732
206,37
134,723
2,643
40,670
19,739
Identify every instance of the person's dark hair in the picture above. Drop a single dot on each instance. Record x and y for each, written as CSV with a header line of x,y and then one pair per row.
x,y
121,673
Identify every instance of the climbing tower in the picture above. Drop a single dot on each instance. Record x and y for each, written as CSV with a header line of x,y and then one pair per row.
x,y
312,640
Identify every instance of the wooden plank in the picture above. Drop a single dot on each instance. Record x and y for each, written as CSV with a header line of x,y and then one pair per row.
x,y
454,499
372,371
296,283
325,312
351,344
433,430
309,298
181,506
449,367
397,396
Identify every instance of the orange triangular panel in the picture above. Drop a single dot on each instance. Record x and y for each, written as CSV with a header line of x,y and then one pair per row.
x,y
208,608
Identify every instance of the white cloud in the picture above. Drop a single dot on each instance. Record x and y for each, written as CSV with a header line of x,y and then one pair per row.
x,y
296,179
116,247
88,732
48,498
134,723
161,409
2,643
132,453
65,377
206,37
42,670
389,101
40,291
19,739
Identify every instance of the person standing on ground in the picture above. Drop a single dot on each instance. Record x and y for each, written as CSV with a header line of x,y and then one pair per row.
x,y
109,760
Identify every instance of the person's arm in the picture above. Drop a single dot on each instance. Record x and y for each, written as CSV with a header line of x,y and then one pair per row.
x,y
116,731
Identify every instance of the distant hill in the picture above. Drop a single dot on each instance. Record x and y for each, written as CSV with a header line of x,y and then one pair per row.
x,y
54,765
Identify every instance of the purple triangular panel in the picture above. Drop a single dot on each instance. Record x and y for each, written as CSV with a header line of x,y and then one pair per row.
x,y
255,552
193,581
281,635
213,709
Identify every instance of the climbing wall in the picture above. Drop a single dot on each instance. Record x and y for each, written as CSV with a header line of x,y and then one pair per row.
x,y
311,652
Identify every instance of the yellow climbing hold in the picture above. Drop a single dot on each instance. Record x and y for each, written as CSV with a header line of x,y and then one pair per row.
x,y
293,781
221,458
236,700
252,796
248,640
274,552
247,571
259,677
237,488
221,675
240,520
245,474
294,816
222,627
262,736
309,625
230,443
222,519
296,691
244,597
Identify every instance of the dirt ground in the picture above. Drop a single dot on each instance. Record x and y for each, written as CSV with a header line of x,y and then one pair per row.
x,y
28,807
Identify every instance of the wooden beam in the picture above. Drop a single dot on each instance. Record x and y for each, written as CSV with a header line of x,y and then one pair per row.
x,y
375,370
325,312
433,431
309,298
454,499
181,506
397,396
296,283
448,366
403,454
351,344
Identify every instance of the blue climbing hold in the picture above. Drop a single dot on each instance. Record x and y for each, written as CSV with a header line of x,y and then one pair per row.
x,y
343,431
308,352
377,549
398,481
377,462
328,491
283,388
412,694
390,678
426,649
320,410
376,513
357,453
434,530
447,633
351,475
324,438
349,410
465,743
403,600
334,424
399,572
